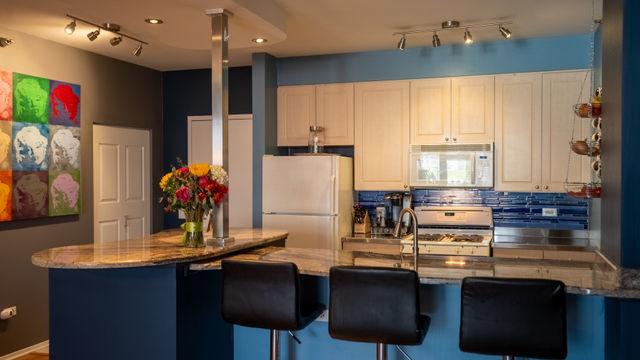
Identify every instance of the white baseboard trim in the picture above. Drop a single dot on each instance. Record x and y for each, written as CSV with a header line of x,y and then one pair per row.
x,y
42,347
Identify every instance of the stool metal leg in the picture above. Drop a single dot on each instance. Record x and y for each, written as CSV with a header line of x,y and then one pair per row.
x,y
275,345
508,357
381,351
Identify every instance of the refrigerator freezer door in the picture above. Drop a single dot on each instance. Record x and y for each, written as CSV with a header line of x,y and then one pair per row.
x,y
305,231
299,185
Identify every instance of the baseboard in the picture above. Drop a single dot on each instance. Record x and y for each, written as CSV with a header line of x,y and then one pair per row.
x,y
42,347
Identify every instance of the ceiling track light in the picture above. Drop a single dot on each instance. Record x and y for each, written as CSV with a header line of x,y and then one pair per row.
x,y
468,39
436,40
402,43
115,41
4,42
138,50
93,35
454,25
71,27
504,31
108,27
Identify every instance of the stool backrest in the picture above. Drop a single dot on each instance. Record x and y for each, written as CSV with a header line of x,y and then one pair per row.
x,y
369,304
517,317
260,294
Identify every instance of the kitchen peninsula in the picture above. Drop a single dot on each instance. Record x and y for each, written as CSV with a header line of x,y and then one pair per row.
x,y
103,296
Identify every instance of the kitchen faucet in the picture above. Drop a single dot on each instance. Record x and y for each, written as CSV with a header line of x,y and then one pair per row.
x,y
414,224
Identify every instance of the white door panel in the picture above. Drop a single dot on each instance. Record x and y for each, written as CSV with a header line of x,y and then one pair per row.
x,y
122,183
240,162
299,185
305,231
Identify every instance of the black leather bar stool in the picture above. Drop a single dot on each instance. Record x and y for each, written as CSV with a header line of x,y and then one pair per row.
x,y
376,305
514,317
268,296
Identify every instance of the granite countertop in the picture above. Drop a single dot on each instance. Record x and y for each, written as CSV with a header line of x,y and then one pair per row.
x,y
158,249
601,278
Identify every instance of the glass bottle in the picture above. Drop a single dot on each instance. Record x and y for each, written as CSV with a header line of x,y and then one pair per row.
x,y
316,139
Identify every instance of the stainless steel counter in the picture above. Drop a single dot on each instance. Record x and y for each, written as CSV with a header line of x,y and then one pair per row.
x,y
542,239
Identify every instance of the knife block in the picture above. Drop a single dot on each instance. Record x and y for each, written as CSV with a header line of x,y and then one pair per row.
x,y
364,227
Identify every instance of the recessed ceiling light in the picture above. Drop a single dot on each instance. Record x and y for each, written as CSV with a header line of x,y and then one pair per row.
x,y
153,21
259,40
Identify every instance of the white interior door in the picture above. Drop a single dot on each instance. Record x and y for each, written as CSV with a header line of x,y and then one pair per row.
x,y
122,183
240,161
305,231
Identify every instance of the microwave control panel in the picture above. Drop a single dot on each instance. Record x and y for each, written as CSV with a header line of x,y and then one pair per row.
x,y
484,169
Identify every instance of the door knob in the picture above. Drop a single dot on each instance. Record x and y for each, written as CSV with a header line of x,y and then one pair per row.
x,y
546,187
455,139
537,187
446,139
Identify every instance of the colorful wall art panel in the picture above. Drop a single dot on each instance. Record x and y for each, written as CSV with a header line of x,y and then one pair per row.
x,y
30,194
6,95
39,147
6,133
64,193
5,195
30,99
65,104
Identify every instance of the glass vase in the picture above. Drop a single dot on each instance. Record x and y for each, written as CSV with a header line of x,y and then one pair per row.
x,y
193,236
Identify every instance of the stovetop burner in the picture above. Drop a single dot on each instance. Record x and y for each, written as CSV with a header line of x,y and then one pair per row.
x,y
472,238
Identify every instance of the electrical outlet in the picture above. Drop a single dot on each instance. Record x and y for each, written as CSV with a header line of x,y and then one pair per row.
x,y
8,313
550,212
324,317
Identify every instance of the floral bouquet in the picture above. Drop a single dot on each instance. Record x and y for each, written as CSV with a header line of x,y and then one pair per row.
x,y
194,189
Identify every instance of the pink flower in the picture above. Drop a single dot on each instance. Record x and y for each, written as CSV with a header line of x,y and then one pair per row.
x,y
183,170
183,194
203,181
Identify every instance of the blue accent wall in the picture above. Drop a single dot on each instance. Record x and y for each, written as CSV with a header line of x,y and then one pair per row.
x,y
265,122
441,302
521,55
186,93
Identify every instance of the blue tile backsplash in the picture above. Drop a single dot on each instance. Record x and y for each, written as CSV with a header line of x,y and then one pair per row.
x,y
510,209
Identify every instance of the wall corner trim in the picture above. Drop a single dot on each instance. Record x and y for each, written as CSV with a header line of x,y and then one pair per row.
x,y
42,347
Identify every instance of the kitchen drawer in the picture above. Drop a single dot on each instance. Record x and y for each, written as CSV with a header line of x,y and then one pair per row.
x,y
518,253
372,248
582,277
518,271
585,256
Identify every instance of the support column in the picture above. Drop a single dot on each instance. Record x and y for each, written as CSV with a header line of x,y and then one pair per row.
x,y
220,110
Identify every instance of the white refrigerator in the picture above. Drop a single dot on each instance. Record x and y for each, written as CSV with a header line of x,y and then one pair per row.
x,y
309,196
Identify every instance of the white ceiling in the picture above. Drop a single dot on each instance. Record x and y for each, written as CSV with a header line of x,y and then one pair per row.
x,y
293,27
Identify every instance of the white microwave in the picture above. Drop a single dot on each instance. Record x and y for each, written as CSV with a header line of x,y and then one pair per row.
x,y
451,166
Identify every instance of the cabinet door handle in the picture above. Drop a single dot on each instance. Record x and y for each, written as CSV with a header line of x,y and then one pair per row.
x,y
546,187
455,139
446,139
537,187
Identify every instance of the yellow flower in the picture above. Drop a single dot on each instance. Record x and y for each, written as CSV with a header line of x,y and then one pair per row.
x,y
165,180
199,169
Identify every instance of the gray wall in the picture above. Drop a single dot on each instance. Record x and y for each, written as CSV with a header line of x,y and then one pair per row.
x,y
113,93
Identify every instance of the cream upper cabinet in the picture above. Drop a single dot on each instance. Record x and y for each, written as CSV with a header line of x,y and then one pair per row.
x,y
518,137
430,111
381,152
296,112
561,91
335,113
472,115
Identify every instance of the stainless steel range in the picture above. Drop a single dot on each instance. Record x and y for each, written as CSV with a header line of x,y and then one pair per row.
x,y
453,230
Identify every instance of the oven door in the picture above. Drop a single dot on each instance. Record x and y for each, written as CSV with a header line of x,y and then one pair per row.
x,y
451,169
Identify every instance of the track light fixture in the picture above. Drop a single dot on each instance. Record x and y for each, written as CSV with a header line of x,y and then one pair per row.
x,y
71,27
402,42
504,31
436,40
108,27
115,41
93,35
453,25
4,42
468,39
138,50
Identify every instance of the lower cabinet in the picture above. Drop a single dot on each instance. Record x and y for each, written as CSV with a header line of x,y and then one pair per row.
x,y
381,151
570,276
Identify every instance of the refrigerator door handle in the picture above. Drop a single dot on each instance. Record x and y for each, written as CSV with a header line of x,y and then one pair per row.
x,y
333,195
